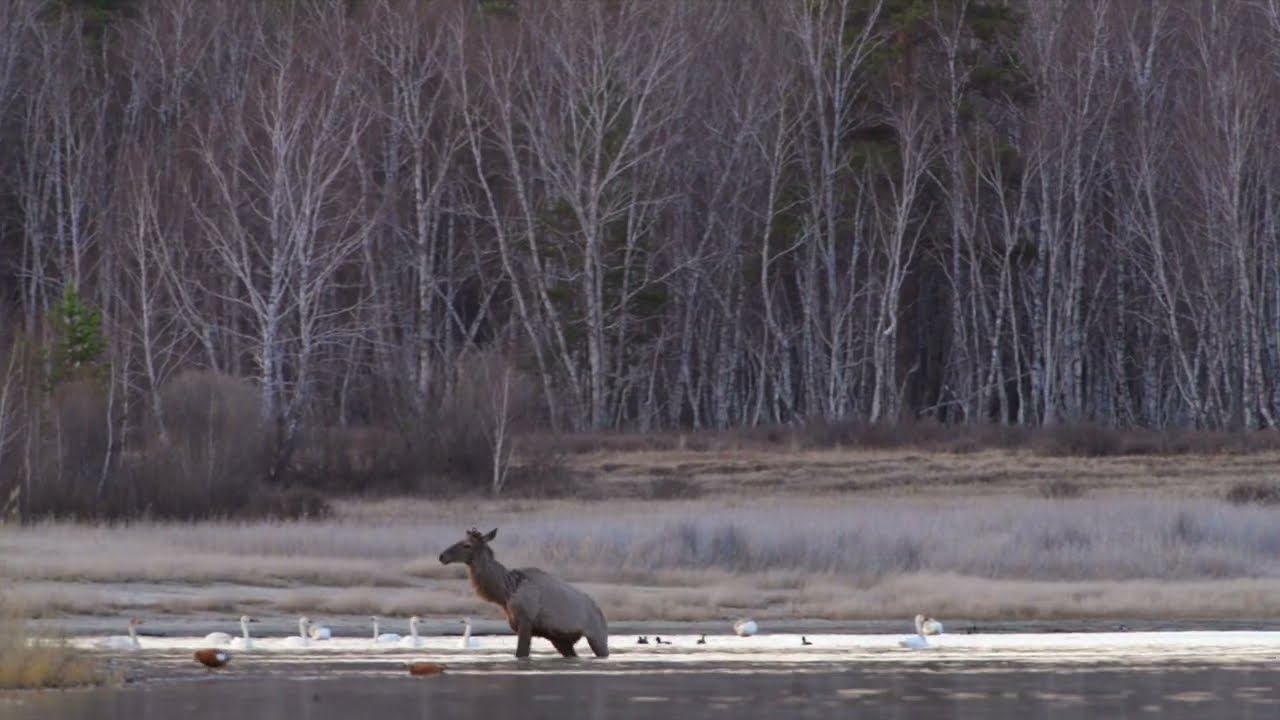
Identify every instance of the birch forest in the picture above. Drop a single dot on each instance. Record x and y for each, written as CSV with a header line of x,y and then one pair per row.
x,y
290,218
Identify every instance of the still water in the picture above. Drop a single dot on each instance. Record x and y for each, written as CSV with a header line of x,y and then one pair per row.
x,y
559,689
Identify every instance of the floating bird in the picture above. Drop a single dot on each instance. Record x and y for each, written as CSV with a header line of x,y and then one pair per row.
x,y
218,638
660,641
468,642
413,641
702,640
303,638
383,638
918,641
212,658
915,642
122,642
642,640
928,626
244,642
745,627
319,632
425,669
804,640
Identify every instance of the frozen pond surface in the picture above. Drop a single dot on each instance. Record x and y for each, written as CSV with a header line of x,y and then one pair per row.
x,y
1058,675
1063,647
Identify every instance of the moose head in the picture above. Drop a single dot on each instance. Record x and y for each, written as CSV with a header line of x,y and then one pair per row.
x,y
469,547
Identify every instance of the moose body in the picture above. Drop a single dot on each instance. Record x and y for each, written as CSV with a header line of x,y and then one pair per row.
x,y
536,603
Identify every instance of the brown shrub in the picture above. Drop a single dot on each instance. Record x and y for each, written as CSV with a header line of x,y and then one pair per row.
x,y
1060,489
1254,493
674,487
28,662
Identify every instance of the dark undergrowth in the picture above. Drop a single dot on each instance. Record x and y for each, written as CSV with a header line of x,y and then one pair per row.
x,y
1059,441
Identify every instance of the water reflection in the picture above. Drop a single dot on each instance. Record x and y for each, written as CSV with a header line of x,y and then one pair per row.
x,y
924,691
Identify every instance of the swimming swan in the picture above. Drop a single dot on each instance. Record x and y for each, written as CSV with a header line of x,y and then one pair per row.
x,y
122,642
468,642
928,626
918,641
218,638
413,641
320,632
383,638
244,642
303,638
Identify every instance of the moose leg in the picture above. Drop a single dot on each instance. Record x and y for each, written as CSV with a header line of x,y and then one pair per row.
x,y
524,636
599,645
564,644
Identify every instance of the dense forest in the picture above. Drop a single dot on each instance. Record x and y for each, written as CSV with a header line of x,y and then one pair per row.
x,y
297,221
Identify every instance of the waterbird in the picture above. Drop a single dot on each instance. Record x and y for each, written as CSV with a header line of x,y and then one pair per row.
x,y
660,641
804,640
413,641
425,669
918,641
218,638
244,642
319,632
122,642
303,638
642,640
745,627
928,626
702,640
212,658
383,638
468,642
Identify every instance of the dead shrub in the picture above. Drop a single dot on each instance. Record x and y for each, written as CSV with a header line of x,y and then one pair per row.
x,y
355,461
28,662
1060,489
1254,493
1077,441
674,487
541,470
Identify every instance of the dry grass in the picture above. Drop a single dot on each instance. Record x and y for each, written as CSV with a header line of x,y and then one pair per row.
x,y
784,557
28,662
875,473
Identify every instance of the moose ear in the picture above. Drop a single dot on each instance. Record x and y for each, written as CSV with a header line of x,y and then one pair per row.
x,y
492,534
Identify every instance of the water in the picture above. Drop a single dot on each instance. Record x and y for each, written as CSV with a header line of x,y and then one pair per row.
x,y
929,691
995,676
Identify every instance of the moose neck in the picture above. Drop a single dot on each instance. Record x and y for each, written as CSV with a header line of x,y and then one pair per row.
x,y
489,577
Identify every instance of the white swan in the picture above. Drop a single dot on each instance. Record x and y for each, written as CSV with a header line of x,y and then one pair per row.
x,y
745,627
468,642
413,641
302,639
928,626
221,638
122,642
320,632
244,642
914,642
218,638
383,638
923,627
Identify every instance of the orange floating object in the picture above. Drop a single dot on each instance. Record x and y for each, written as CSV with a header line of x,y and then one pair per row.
x,y
211,658
425,669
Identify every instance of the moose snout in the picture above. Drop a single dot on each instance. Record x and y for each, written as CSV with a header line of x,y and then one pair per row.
x,y
442,560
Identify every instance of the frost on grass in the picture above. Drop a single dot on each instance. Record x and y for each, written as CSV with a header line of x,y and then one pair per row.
x,y
697,559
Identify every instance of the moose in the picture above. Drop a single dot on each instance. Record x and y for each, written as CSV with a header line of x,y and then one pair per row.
x,y
536,603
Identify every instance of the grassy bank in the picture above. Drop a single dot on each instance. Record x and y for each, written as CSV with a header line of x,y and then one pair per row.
x,y
835,556
28,662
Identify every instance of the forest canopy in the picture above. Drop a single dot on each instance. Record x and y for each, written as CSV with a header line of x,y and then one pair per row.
x,y
630,214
